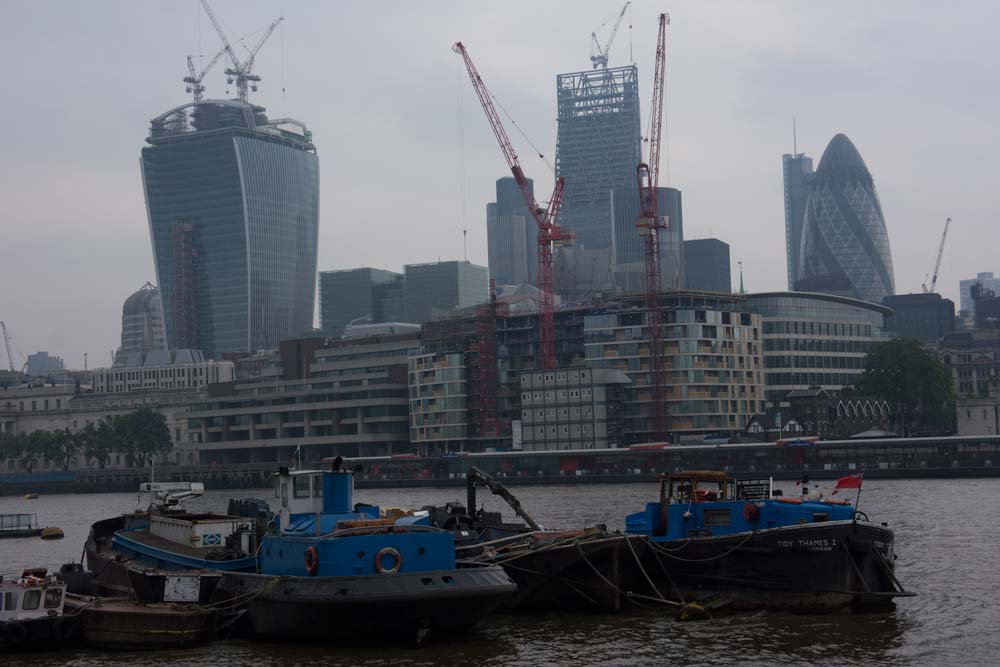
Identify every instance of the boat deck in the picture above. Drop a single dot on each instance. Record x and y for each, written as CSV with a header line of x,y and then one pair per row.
x,y
147,539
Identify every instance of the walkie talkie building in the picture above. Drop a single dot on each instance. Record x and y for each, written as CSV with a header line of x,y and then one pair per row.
x,y
233,204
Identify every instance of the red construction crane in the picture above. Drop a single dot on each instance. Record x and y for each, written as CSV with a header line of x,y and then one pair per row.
x,y
649,225
549,233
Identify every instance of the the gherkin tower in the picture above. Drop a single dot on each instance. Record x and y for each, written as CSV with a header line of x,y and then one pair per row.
x,y
845,246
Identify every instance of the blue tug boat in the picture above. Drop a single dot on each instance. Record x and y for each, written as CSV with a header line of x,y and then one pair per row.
x,y
332,570
709,536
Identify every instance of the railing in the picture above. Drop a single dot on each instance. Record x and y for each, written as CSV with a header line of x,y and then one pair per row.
x,y
17,521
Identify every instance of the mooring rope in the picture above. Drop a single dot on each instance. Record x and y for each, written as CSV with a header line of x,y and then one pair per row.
x,y
667,553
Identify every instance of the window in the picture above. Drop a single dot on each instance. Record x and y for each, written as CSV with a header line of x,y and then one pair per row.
x,y
53,597
300,486
10,601
718,517
32,599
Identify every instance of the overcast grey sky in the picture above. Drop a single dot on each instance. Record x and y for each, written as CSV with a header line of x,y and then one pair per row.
x,y
914,85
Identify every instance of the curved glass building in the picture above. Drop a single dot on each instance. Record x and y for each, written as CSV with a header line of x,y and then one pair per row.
x,y
815,340
233,204
845,246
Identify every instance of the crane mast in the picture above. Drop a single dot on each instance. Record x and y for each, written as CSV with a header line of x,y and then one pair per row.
x,y
937,260
649,225
549,233
240,72
601,59
6,342
193,80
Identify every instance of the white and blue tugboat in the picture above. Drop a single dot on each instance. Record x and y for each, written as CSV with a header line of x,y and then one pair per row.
x,y
330,570
710,536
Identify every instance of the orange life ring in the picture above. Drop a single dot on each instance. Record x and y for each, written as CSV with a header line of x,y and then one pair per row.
x,y
789,500
397,561
312,561
750,512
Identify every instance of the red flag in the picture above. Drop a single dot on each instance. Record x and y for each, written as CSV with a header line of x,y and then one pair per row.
x,y
849,482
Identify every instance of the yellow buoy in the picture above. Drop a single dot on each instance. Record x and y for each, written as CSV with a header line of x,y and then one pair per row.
x,y
30,496
52,533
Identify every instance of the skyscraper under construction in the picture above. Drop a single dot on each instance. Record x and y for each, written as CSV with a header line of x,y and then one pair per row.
x,y
233,205
598,147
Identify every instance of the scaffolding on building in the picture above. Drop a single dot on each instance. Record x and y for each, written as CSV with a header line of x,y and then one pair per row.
x,y
597,147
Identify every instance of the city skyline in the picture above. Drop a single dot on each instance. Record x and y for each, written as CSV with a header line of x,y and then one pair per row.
x,y
74,194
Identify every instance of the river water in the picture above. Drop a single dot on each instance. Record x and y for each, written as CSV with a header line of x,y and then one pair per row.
x,y
946,539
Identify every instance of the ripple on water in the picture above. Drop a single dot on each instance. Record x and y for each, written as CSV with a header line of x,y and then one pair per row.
x,y
945,539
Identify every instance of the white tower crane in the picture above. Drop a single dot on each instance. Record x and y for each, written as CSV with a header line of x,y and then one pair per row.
x,y
240,72
193,80
599,56
6,342
937,260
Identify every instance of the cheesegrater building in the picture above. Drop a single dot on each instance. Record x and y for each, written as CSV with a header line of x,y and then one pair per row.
x,y
598,147
232,199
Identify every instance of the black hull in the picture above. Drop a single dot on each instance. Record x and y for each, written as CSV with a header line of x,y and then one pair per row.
x,y
110,571
38,634
584,575
395,608
808,568
122,624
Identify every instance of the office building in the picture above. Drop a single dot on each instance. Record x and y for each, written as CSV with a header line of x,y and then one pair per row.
x,y
42,363
629,246
160,370
389,300
512,236
707,265
353,295
142,323
845,245
798,175
815,340
352,401
974,360
437,289
986,307
233,205
597,149
965,301
572,408
925,317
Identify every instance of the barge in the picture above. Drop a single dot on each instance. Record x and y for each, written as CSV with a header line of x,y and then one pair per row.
x,y
710,536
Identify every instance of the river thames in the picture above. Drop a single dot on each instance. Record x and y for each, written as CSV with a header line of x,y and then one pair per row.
x,y
946,539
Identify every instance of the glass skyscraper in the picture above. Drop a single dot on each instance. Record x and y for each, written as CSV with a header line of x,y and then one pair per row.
x,y
512,236
845,245
597,149
798,175
233,205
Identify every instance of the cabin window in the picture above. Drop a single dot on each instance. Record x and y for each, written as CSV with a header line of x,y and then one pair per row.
x,y
300,486
10,601
717,517
31,600
820,516
317,487
53,597
284,494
